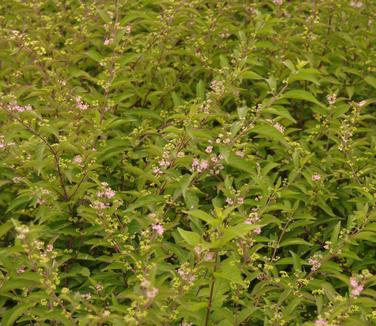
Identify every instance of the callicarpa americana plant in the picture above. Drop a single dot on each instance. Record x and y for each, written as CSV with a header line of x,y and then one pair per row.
x,y
188,162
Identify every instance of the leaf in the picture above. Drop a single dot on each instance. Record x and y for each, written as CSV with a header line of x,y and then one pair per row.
x,y
267,131
306,75
144,201
200,90
335,234
11,315
371,81
294,241
192,238
5,227
280,111
203,216
250,75
230,270
233,232
366,235
300,94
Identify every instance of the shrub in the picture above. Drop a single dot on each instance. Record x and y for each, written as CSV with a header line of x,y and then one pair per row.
x,y
179,162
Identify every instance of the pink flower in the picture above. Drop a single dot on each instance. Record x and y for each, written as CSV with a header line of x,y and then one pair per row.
x,y
278,2
80,104
239,153
229,201
99,205
195,163
18,108
356,287
77,159
204,164
353,282
128,29
152,293
107,41
158,228
157,171
279,127
356,291
240,201
257,231
164,163
316,177
321,322
209,149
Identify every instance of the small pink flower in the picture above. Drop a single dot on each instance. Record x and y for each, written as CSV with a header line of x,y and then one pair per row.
x,y
278,2
195,163
209,149
279,127
362,103
204,164
240,201
215,159
128,29
356,291
353,282
152,293
158,229
239,153
180,154
157,171
77,159
17,179
107,41
257,231
229,201
20,270
80,105
40,201
321,322
164,163
99,205
316,177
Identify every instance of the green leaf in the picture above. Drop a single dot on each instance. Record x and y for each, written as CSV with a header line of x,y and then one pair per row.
x,y
335,234
294,241
250,75
203,216
192,238
267,131
200,90
371,81
300,94
11,315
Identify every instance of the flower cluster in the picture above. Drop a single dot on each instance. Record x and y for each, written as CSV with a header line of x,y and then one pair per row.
x,y
315,261
253,218
149,291
356,286
200,165
3,143
106,191
81,105
332,98
218,86
158,229
14,107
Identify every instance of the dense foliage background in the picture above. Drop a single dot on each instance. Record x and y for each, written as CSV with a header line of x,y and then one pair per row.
x,y
176,162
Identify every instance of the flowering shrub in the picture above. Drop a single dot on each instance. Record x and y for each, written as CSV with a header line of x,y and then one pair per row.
x,y
180,162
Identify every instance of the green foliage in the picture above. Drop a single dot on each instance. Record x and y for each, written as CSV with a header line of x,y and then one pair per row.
x,y
179,162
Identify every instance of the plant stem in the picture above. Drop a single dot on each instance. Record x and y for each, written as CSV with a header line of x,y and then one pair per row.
x,y
208,309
